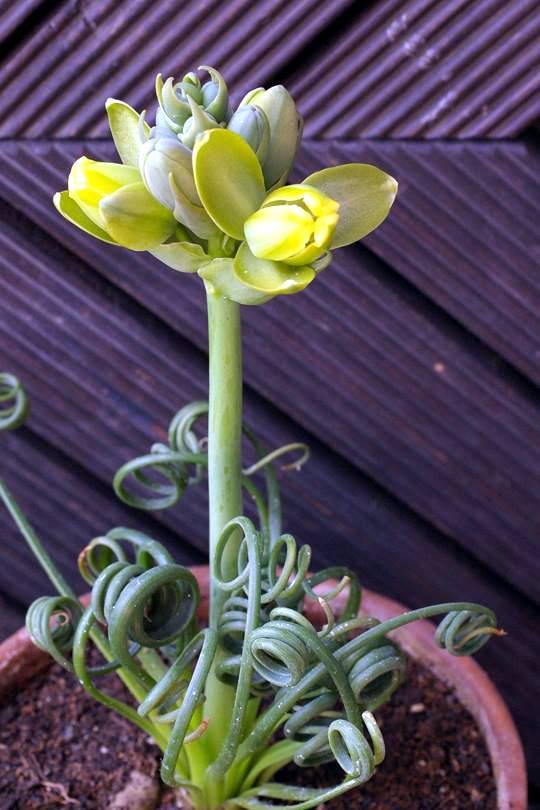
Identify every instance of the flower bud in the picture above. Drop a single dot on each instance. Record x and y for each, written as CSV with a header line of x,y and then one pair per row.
x,y
167,171
115,200
215,96
285,130
173,102
178,100
191,86
252,125
294,225
161,157
199,121
162,128
90,182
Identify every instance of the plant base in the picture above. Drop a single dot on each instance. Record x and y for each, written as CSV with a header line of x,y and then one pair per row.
x,y
20,660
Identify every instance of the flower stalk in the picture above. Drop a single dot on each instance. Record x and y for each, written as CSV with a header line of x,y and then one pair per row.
x,y
224,477
224,430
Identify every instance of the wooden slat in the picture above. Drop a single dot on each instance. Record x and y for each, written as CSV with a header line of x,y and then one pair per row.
x,y
440,426
424,69
397,68
464,232
107,47
14,15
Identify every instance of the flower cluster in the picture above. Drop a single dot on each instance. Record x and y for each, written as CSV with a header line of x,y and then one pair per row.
x,y
204,191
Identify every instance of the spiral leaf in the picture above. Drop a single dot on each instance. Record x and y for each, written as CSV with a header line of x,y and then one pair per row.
x,y
464,632
14,402
320,683
158,480
51,622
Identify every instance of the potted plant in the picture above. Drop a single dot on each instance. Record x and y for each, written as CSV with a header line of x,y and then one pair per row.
x,y
285,667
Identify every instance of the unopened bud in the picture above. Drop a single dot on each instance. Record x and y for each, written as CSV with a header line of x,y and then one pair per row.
x,y
252,125
159,158
294,225
285,130
113,197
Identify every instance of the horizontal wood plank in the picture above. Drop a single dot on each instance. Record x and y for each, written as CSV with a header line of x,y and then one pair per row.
x,y
107,47
424,69
463,231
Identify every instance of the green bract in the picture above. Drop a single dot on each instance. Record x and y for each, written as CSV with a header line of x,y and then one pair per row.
x,y
221,279
125,126
206,183
229,179
272,277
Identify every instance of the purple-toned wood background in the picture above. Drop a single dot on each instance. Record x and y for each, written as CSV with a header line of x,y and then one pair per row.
x,y
411,367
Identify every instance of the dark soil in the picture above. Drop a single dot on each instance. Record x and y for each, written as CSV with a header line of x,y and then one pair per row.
x,y
59,749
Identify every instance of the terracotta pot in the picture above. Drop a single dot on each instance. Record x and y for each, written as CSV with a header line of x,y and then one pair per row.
x,y
20,661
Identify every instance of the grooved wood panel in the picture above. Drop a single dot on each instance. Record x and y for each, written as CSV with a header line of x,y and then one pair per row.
x,y
464,231
394,68
14,15
425,69
105,47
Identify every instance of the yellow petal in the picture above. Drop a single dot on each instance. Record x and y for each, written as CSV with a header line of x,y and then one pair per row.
x,y
90,180
277,232
324,228
318,203
135,219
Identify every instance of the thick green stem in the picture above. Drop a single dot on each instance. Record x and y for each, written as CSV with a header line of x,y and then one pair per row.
x,y
224,478
224,430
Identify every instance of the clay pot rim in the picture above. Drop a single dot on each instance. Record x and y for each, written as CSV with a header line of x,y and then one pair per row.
x,y
20,661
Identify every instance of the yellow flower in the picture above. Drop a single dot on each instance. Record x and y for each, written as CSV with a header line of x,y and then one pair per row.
x,y
110,201
294,225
